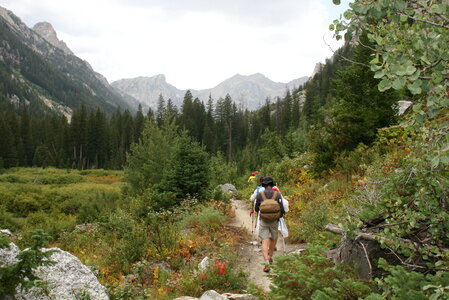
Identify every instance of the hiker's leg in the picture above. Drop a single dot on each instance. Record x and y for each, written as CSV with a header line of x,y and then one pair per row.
x,y
265,249
271,246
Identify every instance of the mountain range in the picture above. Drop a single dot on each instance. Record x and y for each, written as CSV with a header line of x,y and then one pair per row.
x,y
40,71
247,91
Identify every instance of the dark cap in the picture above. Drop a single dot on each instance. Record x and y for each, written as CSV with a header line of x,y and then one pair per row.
x,y
267,181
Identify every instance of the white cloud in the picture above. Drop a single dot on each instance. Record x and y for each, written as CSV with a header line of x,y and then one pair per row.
x,y
195,43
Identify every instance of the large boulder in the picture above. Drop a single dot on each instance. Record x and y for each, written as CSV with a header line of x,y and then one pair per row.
x,y
228,188
67,278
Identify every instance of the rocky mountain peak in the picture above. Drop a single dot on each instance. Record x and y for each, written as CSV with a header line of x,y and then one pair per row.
x,y
47,31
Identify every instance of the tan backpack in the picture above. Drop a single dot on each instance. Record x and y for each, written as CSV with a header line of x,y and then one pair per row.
x,y
269,208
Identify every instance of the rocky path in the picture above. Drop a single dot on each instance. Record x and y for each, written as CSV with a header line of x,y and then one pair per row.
x,y
250,252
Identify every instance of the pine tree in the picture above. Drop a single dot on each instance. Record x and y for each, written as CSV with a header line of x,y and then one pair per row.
x,y
188,173
161,110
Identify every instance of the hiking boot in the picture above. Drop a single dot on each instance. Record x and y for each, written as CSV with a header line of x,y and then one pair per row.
x,y
266,269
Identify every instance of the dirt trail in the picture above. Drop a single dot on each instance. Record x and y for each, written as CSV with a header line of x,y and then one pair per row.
x,y
250,252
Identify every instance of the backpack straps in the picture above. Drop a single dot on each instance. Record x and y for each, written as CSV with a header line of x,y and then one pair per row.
x,y
264,197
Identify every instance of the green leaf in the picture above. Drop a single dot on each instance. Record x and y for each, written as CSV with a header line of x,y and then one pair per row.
x,y
403,18
375,68
336,2
374,61
348,15
415,87
399,83
384,85
379,40
331,27
417,108
379,74
400,4
410,70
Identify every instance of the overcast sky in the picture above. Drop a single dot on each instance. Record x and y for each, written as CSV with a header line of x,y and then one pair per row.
x,y
195,43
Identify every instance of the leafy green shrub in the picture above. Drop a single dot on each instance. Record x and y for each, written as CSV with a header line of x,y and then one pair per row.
x,y
60,179
220,196
55,223
164,233
302,276
221,171
206,220
312,221
131,239
404,285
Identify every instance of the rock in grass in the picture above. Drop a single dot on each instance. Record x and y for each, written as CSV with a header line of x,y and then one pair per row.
x,y
67,279
212,295
228,188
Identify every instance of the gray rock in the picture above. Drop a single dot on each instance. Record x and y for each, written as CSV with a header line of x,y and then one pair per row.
x,y
68,278
228,188
47,31
212,295
8,256
204,264
186,298
240,296
7,232
163,265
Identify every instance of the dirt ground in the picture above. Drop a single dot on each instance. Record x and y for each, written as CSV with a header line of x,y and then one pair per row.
x,y
250,250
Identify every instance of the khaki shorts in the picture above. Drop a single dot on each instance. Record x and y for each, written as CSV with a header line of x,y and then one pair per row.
x,y
268,230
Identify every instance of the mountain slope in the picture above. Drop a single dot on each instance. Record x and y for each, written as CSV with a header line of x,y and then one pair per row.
x,y
49,74
247,91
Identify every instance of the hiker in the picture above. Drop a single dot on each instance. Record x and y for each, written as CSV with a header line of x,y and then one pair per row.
x,y
282,224
270,208
252,177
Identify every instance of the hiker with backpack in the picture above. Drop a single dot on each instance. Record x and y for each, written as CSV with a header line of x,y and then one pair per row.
x,y
270,208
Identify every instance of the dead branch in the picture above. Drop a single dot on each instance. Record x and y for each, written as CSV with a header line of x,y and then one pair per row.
x,y
425,21
334,229
367,259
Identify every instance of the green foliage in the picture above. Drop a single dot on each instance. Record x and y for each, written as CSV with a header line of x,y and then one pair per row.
x,y
20,275
164,234
131,237
222,171
222,275
312,275
150,157
402,284
188,173
410,42
207,219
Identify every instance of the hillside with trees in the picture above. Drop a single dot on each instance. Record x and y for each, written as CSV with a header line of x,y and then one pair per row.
x,y
368,189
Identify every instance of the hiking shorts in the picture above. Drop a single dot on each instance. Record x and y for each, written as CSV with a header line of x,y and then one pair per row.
x,y
268,230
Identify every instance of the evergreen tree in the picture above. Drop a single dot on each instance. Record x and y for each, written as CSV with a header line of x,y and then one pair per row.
x,y
149,158
188,173
161,110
